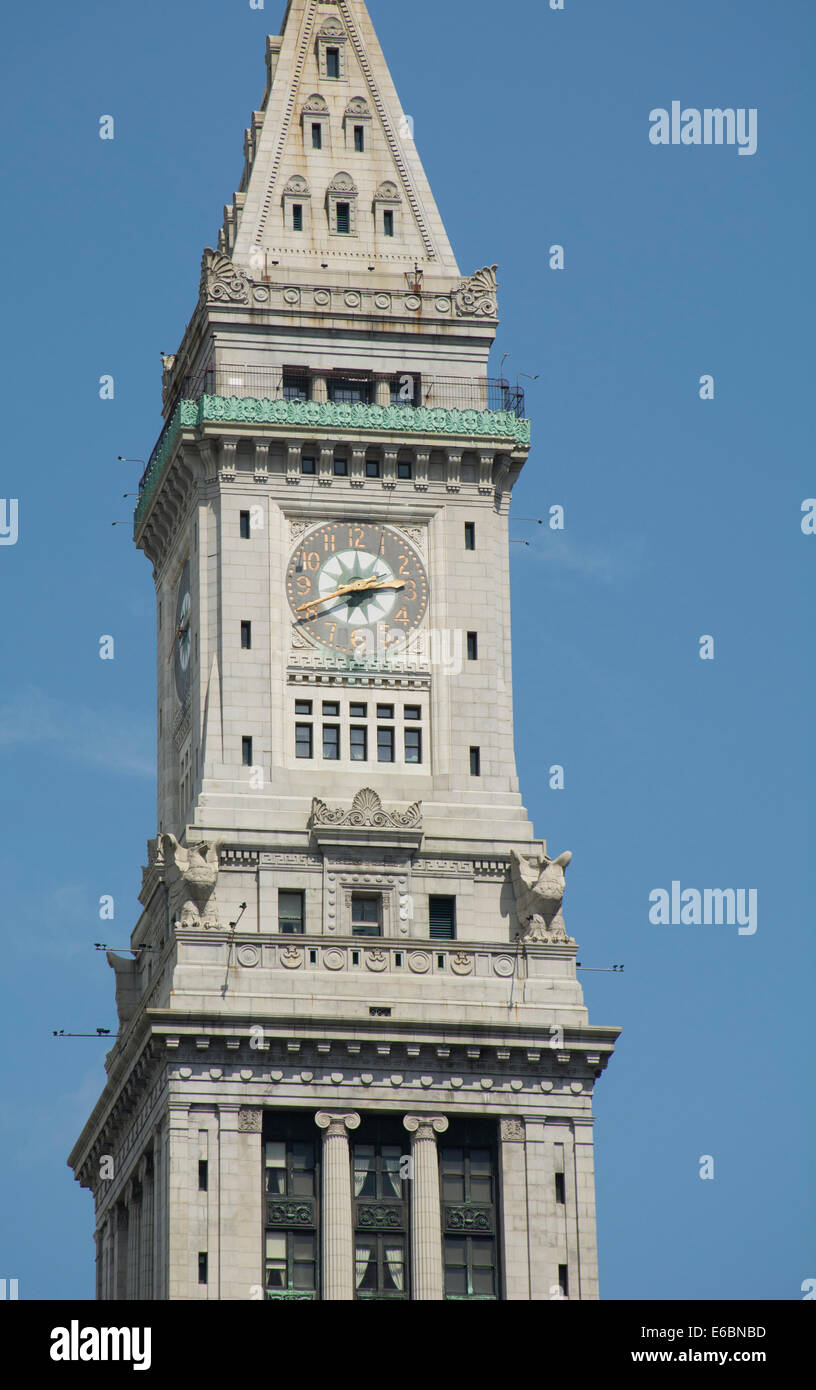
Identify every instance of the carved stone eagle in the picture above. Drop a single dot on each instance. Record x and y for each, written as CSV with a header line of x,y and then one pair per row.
x,y
191,875
538,885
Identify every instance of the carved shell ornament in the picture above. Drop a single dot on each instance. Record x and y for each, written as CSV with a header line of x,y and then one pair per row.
x,y
221,280
366,810
478,295
316,105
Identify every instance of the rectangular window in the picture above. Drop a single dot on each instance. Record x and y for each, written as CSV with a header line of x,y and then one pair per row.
x,y
413,745
303,741
317,135
385,745
290,913
295,384
303,707
413,712
560,1190
341,468
475,762
331,709
470,535
405,470
359,711
406,389
372,468
308,466
244,524
473,646
359,138
442,914
379,1266
246,636
332,62
344,218
203,1176
202,1267
348,390
385,711
291,1264
388,222
359,743
470,1267
331,742
297,217
366,914
246,751
563,1280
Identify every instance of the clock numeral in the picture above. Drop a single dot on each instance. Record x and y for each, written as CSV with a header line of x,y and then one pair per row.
x,y
359,533
403,565
402,617
410,585
313,560
303,585
332,629
329,539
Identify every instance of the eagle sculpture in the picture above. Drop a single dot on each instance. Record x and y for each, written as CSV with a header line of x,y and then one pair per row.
x,y
539,885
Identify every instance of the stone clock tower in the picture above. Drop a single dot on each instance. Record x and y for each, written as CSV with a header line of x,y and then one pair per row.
x,y
353,1058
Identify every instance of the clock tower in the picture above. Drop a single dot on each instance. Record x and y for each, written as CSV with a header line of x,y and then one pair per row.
x,y
353,1057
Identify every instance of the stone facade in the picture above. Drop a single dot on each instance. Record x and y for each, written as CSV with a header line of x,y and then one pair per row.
x,y
353,1057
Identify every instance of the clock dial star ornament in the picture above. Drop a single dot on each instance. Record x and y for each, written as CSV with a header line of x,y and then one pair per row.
x,y
351,584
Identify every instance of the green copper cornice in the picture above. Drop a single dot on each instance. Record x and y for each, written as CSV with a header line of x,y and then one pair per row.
x,y
397,419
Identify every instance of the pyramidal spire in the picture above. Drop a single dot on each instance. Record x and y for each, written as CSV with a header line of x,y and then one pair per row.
x,y
332,179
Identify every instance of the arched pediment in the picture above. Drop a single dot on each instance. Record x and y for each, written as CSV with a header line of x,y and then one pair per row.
x,y
343,183
316,105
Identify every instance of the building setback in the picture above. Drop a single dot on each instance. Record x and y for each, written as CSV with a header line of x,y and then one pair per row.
x,y
353,1057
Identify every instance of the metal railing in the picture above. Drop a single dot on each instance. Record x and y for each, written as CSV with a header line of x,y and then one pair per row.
x,y
398,388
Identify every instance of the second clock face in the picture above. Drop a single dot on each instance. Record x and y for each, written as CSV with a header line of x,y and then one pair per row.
x,y
352,584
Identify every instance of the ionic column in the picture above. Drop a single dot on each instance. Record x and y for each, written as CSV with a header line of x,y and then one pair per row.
x,y
338,1241
426,1215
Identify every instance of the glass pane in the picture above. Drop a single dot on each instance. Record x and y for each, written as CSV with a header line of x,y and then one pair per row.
x,y
303,1247
366,1267
275,1155
302,1156
456,1281
303,1276
276,1181
483,1281
365,909
392,1186
393,1267
455,1250
481,1190
276,1277
276,1246
302,1184
480,1160
453,1188
453,1160
481,1251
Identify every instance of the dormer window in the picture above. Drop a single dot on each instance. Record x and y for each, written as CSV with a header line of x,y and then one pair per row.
x,y
331,50
357,125
387,209
314,120
296,204
341,205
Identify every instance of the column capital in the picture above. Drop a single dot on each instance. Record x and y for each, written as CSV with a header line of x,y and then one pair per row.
x,y
336,1123
425,1126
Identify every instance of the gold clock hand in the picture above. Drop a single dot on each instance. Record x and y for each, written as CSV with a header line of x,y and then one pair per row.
x,y
357,587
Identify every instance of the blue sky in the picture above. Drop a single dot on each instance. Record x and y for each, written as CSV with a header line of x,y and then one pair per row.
x,y
682,519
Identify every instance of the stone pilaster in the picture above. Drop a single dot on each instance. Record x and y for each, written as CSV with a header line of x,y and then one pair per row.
x,y
338,1241
426,1215
513,1161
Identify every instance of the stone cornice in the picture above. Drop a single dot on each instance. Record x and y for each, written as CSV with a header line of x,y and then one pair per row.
x,y
498,425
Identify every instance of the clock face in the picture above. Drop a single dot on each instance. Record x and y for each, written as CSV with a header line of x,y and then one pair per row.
x,y
354,586
182,635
